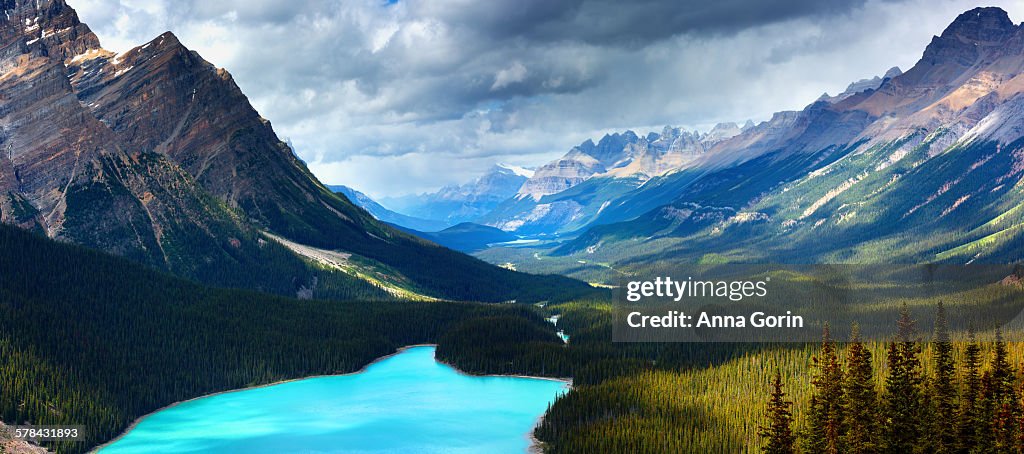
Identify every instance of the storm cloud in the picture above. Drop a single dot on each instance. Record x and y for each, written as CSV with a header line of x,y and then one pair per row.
x,y
393,97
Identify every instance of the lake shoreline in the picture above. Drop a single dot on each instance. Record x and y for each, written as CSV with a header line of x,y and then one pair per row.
x,y
566,380
534,442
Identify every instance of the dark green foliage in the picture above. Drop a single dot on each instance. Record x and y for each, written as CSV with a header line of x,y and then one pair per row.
x,y
21,209
199,238
700,397
506,344
778,433
903,400
96,340
861,404
970,424
1000,400
943,388
825,422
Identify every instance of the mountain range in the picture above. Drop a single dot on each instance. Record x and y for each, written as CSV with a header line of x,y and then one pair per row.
x,y
916,166
156,155
455,204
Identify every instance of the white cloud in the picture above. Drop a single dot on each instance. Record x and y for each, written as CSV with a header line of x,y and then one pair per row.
x,y
404,97
512,74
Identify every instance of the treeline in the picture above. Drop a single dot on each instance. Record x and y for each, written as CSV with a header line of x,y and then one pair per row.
x,y
697,397
517,345
95,340
637,397
955,407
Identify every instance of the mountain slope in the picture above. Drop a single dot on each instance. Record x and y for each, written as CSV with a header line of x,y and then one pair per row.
x,y
156,155
927,167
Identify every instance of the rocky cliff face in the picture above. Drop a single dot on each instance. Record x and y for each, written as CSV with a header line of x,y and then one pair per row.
x,y
61,165
66,172
163,97
96,142
561,174
862,85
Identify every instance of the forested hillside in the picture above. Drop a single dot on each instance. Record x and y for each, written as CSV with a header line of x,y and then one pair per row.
x,y
920,389
96,340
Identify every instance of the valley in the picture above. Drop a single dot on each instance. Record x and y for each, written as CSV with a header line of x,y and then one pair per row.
x,y
165,251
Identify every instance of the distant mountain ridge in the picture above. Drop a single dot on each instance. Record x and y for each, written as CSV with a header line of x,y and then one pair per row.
x,y
455,204
568,193
862,85
383,214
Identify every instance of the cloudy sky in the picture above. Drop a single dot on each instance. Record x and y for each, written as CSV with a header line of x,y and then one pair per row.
x,y
395,97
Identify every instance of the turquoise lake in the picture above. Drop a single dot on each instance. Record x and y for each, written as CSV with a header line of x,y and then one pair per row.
x,y
405,403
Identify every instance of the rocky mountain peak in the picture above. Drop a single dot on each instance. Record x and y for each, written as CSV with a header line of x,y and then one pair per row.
x,y
722,131
983,25
975,35
892,72
50,26
506,169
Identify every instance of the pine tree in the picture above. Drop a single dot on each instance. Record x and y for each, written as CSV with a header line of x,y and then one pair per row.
x,y
943,388
903,401
1001,398
861,403
825,415
969,416
777,435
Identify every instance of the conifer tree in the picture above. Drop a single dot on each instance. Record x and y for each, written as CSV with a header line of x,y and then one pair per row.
x,y
968,417
861,403
777,434
1001,399
825,415
902,428
943,388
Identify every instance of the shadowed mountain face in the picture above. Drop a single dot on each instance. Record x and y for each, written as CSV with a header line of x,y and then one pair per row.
x,y
155,154
67,173
925,167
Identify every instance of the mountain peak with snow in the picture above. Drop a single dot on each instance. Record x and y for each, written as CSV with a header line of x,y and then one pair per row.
x,y
516,170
